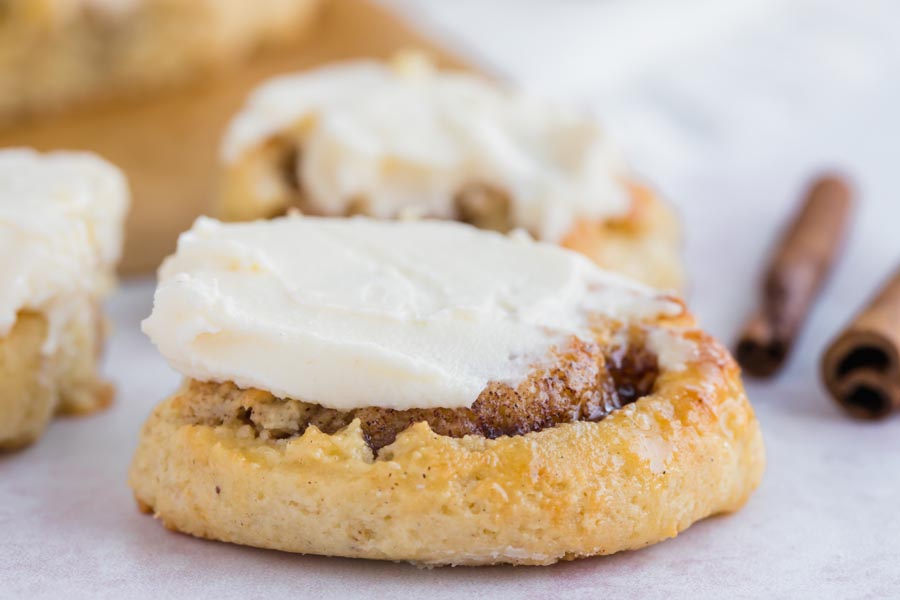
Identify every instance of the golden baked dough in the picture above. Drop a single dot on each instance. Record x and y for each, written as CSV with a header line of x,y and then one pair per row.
x,y
36,386
644,245
690,449
27,402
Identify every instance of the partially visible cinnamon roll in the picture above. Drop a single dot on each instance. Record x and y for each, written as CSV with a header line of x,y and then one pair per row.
x,y
401,140
61,219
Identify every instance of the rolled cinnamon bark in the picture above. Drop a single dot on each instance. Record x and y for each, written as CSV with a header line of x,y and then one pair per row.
x,y
799,267
861,367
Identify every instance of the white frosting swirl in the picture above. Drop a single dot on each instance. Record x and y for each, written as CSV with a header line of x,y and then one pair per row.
x,y
407,139
357,312
61,218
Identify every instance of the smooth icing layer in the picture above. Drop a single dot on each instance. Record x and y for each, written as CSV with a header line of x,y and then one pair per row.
x,y
406,139
348,313
61,217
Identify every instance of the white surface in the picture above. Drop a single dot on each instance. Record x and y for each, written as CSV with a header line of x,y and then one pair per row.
x,y
729,127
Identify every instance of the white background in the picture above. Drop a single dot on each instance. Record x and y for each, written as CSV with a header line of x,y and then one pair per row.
x,y
728,106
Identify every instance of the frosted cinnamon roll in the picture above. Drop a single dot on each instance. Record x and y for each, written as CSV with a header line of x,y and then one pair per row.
x,y
429,392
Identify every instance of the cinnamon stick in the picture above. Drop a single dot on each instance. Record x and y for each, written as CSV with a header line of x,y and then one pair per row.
x,y
799,266
861,367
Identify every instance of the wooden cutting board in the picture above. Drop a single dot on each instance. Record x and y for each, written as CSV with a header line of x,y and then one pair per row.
x,y
168,144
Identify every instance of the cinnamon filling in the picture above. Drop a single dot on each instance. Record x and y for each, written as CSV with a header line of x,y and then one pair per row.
x,y
585,383
484,206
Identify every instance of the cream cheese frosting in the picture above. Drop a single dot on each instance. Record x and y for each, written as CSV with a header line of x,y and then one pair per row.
x,y
61,218
407,139
349,313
